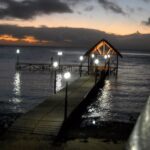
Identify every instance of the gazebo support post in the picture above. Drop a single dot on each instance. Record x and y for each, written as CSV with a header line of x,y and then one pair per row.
x,y
88,65
117,65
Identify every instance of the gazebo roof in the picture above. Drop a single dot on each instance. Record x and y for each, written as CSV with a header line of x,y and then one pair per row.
x,y
99,47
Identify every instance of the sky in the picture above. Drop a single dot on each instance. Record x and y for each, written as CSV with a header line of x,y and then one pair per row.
x,y
120,17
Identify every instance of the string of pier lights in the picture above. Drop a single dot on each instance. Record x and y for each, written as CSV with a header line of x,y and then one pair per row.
x,y
96,60
106,56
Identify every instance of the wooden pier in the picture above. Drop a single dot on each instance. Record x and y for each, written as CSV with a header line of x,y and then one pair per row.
x,y
38,128
101,50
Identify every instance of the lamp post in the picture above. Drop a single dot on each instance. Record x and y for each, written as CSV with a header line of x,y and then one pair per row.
x,y
55,65
60,53
96,62
80,68
51,61
67,76
17,52
108,56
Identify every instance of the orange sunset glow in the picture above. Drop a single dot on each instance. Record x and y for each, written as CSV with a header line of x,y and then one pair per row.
x,y
25,39
10,38
30,39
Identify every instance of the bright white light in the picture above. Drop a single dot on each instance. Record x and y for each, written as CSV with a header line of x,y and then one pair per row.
x,y
81,58
93,122
96,61
92,55
18,51
105,56
108,56
60,53
67,75
55,64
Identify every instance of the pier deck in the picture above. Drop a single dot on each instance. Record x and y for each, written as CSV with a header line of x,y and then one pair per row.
x,y
39,126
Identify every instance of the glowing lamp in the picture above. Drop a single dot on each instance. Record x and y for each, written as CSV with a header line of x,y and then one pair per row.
x,y
67,75
60,53
81,58
96,61
18,51
92,55
55,64
94,122
105,56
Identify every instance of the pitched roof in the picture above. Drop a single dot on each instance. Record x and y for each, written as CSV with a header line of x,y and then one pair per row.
x,y
100,44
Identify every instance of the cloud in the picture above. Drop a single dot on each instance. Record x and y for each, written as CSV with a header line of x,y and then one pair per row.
x,y
69,37
108,5
56,36
147,23
28,9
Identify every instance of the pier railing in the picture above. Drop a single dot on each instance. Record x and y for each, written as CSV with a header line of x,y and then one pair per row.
x,y
140,137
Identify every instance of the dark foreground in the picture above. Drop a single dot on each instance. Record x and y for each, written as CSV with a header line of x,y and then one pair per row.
x,y
40,128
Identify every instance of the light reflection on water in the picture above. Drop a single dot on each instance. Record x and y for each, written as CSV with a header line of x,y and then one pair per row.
x,y
103,104
59,80
122,98
24,90
16,89
16,100
17,84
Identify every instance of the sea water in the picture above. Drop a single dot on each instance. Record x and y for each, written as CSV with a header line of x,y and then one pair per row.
x,y
124,96
21,91
121,97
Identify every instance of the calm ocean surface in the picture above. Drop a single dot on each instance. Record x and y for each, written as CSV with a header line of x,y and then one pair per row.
x,y
21,91
122,98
